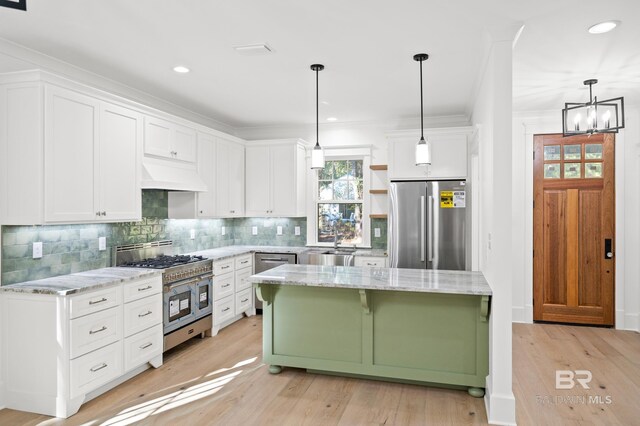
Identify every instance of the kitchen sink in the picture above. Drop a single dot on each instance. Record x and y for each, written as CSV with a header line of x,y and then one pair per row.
x,y
346,252
331,258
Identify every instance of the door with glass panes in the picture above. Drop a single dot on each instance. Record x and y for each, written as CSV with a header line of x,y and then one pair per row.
x,y
574,227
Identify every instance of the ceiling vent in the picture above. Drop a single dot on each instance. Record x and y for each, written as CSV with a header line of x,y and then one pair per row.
x,y
254,49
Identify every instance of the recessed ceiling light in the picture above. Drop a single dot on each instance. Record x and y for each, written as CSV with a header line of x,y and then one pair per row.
x,y
603,27
332,119
324,102
181,69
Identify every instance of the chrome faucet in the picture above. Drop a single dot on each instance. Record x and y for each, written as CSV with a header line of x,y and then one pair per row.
x,y
335,236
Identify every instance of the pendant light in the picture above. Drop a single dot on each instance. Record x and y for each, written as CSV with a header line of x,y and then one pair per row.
x,y
317,153
594,116
423,148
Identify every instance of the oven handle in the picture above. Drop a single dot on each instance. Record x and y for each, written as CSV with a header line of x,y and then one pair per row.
x,y
191,281
273,260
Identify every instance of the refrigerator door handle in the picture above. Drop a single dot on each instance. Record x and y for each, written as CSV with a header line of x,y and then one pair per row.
x,y
422,233
430,230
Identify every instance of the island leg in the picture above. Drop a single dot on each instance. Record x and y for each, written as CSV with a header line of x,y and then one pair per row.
x,y
275,369
476,392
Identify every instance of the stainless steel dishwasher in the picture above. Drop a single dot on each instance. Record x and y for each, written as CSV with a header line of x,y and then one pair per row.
x,y
266,261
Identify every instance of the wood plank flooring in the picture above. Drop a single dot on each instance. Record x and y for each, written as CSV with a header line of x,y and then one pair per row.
x,y
222,381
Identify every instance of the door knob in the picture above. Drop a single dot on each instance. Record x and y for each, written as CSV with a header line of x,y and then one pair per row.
x,y
609,254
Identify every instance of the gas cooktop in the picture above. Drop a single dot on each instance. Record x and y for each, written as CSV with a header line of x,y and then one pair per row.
x,y
163,261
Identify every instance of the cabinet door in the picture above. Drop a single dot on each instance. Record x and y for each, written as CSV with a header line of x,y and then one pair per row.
x,y
207,170
236,179
283,180
71,132
157,137
258,186
184,144
118,166
222,179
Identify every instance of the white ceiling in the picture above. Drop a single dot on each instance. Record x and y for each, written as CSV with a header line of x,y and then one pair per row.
x,y
366,46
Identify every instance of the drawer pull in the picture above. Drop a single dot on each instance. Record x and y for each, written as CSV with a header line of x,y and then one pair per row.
x,y
226,285
99,367
226,309
145,314
145,346
371,264
245,261
244,300
224,267
145,288
104,327
93,302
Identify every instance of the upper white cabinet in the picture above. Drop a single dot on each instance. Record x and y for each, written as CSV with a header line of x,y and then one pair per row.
x,y
169,140
275,178
448,154
67,156
229,169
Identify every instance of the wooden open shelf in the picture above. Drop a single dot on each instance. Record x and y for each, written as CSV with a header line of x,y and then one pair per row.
x,y
378,191
378,167
378,216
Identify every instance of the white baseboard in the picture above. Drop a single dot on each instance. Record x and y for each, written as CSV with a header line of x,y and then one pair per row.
x,y
501,408
631,322
517,314
2,406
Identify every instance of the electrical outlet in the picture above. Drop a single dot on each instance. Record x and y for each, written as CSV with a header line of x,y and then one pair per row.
x,y
192,234
279,230
254,230
102,243
376,232
224,230
296,230
37,250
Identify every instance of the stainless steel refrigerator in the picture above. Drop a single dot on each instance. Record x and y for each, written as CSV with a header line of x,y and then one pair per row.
x,y
427,225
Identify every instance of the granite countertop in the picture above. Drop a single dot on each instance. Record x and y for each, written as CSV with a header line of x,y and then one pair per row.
x,y
230,251
65,285
416,280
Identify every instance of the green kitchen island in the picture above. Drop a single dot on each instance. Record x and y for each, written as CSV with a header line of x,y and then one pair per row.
x,y
407,325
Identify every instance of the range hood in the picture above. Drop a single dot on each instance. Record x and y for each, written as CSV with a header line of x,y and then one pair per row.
x,y
161,174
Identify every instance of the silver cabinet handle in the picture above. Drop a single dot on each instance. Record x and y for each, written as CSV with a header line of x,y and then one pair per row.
x,y
98,367
93,302
422,233
146,345
145,314
225,309
97,213
104,327
145,288
224,267
226,285
244,300
243,262
104,213
371,264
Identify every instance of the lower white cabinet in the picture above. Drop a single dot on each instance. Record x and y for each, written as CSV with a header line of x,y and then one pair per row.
x,y
232,296
59,351
370,261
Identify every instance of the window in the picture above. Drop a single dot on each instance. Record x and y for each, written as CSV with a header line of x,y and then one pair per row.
x,y
339,202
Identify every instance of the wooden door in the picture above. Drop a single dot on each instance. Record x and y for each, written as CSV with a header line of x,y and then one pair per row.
x,y
574,225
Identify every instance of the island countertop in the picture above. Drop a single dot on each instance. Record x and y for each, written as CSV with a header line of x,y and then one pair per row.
x,y
397,279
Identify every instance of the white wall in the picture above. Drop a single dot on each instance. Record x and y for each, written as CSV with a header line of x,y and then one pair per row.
x,y
627,188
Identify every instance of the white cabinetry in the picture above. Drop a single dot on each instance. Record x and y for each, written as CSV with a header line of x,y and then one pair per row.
x,y
275,178
448,154
229,179
232,296
166,139
66,156
60,351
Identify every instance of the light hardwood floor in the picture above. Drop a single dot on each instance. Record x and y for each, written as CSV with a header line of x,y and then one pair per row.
x,y
222,381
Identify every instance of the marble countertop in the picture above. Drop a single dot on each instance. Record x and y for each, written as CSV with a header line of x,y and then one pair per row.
x,y
230,251
65,285
415,280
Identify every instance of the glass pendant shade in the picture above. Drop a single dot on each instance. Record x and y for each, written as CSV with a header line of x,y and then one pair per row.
x,y
423,153
317,157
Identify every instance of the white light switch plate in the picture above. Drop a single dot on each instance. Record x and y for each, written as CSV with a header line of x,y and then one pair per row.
x,y
254,230
37,250
376,232
279,230
297,230
192,234
224,230
102,243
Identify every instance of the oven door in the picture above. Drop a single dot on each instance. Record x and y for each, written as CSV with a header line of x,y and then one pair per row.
x,y
204,297
179,305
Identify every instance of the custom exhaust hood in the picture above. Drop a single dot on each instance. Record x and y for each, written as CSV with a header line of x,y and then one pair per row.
x,y
162,174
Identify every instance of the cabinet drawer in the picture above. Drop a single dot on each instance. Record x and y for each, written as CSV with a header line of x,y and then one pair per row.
x,y
142,314
241,274
223,309
93,370
142,347
142,288
244,300
223,266
377,262
94,301
223,286
244,261
94,331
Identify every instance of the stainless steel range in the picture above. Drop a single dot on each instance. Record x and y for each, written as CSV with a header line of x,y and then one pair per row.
x,y
187,283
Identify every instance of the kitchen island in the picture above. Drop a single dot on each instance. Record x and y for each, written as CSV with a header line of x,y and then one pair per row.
x,y
416,326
